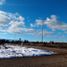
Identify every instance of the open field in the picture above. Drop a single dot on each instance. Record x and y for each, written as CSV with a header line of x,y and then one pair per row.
x,y
58,60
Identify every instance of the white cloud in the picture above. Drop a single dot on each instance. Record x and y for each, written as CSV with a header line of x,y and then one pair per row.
x,y
45,33
20,18
15,26
55,24
3,18
10,22
29,30
32,25
39,22
52,23
19,27
2,2
13,23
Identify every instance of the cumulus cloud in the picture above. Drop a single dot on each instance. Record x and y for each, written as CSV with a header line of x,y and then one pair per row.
x,y
2,2
15,26
53,23
39,22
3,18
13,23
10,22
45,33
32,25
28,30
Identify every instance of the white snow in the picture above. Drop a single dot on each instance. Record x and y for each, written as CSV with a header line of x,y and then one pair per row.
x,y
9,51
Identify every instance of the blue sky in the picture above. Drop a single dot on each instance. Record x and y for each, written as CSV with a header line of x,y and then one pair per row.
x,y
24,19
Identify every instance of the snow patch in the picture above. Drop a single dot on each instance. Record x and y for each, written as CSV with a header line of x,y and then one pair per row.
x,y
9,51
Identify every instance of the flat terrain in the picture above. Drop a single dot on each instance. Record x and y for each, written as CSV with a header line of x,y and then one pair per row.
x,y
57,60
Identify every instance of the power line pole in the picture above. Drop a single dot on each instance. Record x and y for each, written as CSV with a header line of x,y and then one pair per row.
x,y
42,30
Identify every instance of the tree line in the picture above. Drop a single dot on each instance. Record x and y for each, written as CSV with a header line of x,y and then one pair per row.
x,y
32,43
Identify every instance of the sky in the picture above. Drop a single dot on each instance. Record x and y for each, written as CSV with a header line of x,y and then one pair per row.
x,y
25,18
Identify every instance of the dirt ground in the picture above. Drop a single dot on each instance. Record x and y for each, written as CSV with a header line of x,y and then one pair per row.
x,y
57,60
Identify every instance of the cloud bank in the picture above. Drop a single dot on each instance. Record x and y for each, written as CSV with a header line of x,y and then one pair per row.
x,y
15,23
12,23
52,23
